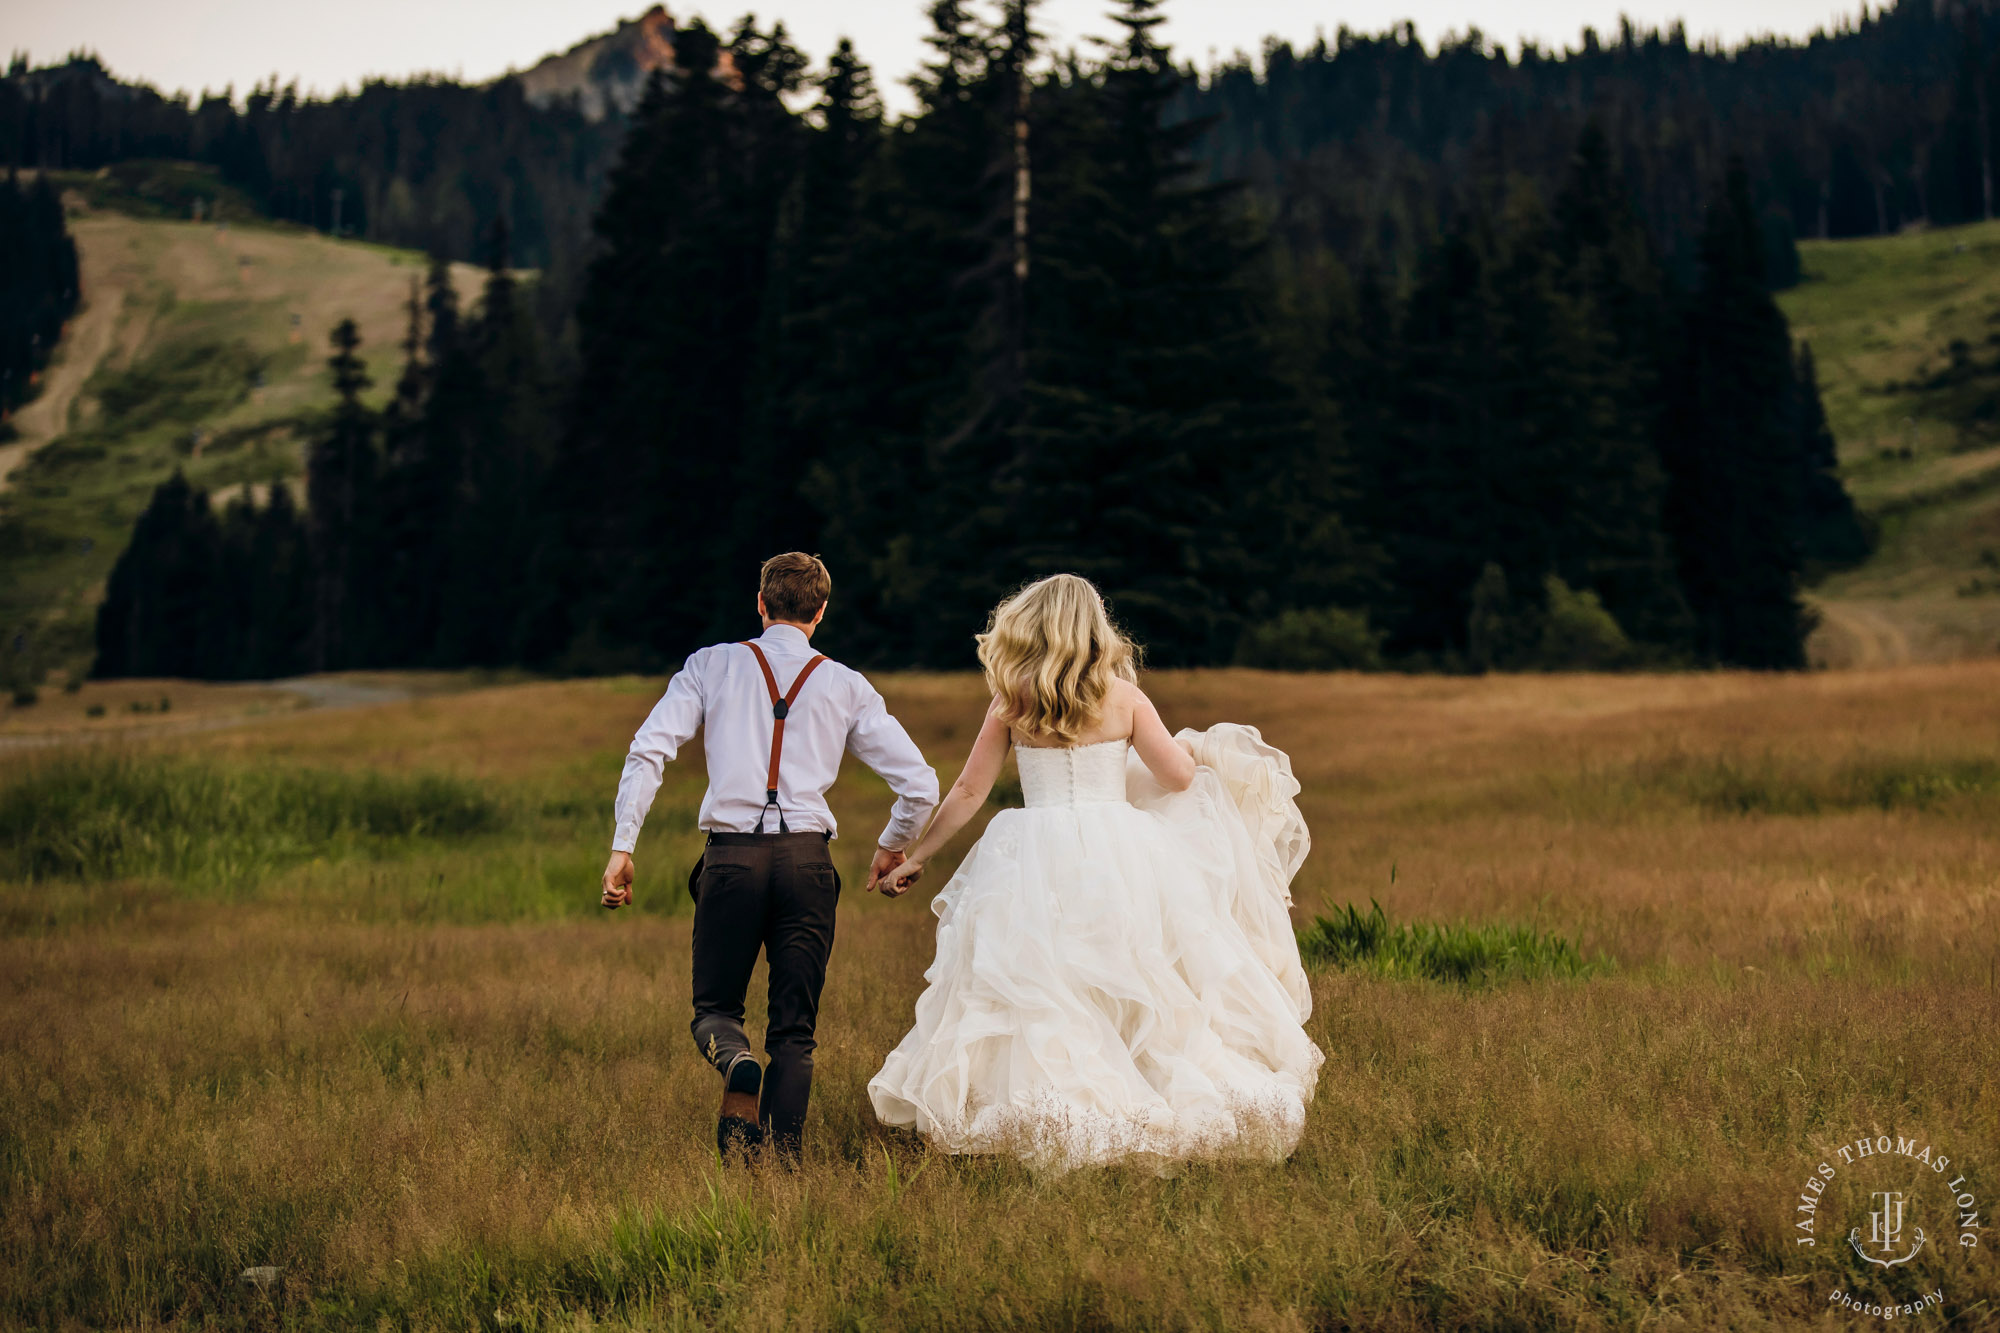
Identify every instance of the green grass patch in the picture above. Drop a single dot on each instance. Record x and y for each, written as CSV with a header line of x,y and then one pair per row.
x,y
1461,953
1766,786
97,814
1900,326
180,384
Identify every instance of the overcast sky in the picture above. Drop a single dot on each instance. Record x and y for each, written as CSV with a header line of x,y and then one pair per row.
x,y
326,44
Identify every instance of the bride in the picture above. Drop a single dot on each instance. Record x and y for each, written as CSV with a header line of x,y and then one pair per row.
x,y
1116,976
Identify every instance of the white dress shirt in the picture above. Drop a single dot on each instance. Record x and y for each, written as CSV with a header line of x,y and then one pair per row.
x,y
722,690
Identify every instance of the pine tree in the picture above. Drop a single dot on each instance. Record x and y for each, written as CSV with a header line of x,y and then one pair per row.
x,y
280,592
429,456
39,285
1831,532
492,529
791,196
889,395
1154,426
1441,457
156,618
231,607
1621,312
408,576
1730,445
341,475
990,133
669,328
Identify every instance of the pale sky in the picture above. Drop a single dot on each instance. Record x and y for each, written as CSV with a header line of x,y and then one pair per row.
x,y
326,44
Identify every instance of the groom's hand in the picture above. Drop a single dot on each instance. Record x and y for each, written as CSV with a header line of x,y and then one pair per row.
x,y
618,880
884,862
899,879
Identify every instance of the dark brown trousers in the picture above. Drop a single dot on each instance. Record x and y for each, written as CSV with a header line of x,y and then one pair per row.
x,y
774,892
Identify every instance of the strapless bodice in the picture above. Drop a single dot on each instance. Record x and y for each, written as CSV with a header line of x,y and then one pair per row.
x,y
1072,774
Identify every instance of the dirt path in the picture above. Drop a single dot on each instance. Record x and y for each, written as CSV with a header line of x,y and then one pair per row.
x,y
1853,635
91,337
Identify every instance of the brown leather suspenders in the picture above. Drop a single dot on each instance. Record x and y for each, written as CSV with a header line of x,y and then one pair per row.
x,y
780,706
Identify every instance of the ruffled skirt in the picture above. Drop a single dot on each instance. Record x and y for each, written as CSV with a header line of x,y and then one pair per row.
x,y
1119,981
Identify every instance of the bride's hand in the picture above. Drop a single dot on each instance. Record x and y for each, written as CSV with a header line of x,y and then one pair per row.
x,y
898,881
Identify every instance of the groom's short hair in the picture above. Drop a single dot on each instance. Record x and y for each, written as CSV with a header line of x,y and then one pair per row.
x,y
795,586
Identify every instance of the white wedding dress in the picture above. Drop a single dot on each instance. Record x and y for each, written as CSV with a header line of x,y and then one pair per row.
x,y
1116,975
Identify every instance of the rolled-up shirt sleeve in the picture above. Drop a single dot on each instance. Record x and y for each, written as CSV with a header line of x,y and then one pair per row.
x,y
879,741
674,719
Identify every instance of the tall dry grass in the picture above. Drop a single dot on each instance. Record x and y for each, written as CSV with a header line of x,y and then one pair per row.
x,y
433,1085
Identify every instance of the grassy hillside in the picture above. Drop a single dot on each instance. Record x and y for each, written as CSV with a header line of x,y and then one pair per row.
x,y
1906,330
200,346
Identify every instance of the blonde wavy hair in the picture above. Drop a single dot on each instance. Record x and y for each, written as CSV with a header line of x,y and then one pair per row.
x,y
1050,653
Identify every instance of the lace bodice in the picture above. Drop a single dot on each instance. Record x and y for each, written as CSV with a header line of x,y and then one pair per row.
x,y
1072,774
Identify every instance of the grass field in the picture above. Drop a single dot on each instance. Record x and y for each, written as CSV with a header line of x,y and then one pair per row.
x,y
329,992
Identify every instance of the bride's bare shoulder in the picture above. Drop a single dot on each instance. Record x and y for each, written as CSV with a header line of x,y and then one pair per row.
x,y
1126,697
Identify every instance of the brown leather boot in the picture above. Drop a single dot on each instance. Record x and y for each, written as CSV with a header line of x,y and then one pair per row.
x,y
736,1127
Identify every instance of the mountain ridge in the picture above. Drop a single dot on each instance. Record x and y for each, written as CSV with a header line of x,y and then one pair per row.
x,y
607,74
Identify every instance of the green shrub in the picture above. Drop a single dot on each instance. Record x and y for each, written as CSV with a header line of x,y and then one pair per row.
x,y
1495,633
1326,638
1569,630
1578,634
1466,954
103,815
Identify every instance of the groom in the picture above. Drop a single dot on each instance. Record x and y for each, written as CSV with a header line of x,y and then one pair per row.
x,y
775,719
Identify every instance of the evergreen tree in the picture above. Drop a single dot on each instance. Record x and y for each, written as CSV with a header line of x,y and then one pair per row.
x,y
668,329
231,609
1832,534
280,590
344,522
492,529
157,615
1730,445
1620,291
1442,458
408,576
431,436
39,285
1156,432
888,390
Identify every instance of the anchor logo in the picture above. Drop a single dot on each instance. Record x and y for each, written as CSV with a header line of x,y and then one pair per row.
x,y
1885,1231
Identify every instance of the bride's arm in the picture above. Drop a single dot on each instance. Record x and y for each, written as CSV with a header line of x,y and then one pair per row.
x,y
1171,765
975,783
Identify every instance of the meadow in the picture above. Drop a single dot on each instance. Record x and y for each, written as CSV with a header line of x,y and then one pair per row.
x,y
1902,328
329,994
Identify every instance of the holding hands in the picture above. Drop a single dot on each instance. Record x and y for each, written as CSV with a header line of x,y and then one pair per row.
x,y
896,881
892,872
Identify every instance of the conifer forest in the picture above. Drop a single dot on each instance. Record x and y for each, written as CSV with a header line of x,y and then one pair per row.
x,y
1363,355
